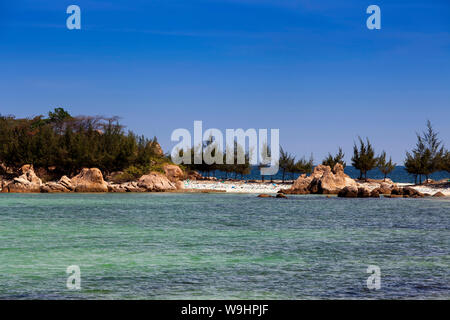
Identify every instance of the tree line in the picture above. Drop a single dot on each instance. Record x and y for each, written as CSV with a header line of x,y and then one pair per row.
x,y
65,144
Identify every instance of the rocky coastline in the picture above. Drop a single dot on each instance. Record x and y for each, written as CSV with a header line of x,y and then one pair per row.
x,y
323,180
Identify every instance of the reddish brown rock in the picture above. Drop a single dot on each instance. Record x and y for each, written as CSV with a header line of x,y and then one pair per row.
x,y
439,194
265,196
348,192
194,175
374,194
363,192
408,191
281,195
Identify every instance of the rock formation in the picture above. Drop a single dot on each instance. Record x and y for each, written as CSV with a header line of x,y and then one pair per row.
x,y
63,185
323,180
27,182
173,173
89,180
155,181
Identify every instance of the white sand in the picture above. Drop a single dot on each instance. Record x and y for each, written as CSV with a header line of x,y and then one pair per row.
x,y
236,187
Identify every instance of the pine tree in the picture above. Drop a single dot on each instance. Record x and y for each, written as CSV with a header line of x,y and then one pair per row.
x,y
364,157
384,166
331,160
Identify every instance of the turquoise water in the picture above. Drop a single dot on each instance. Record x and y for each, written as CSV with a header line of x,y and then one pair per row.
x,y
222,246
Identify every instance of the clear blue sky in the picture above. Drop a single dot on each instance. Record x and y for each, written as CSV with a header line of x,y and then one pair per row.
x,y
310,67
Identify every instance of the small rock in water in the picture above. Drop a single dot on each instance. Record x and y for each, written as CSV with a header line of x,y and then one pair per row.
x,y
281,195
439,194
264,195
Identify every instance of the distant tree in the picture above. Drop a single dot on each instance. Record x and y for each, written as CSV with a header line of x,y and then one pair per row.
x,y
427,156
445,166
304,166
266,155
384,166
331,160
285,162
364,157
413,165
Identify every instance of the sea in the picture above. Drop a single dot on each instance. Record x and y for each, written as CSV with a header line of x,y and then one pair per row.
x,y
223,246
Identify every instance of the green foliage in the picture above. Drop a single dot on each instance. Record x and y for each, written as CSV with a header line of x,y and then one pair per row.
x,y
286,162
71,143
446,162
331,160
428,156
384,166
364,157
304,166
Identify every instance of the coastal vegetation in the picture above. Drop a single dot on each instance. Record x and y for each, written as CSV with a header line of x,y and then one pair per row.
x,y
61,144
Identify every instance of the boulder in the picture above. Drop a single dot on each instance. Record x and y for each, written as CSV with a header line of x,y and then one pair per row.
x,y
179,185
375,194
397,191
363,192
89,180
67,183
281,195
26,183
63,185
385,188
117,188
439,194
133,187
300,185
408,191
348,192
264,195
155,181
173,172
194,175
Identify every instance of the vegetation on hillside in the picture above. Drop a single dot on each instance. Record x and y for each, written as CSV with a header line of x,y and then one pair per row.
x,y
63,144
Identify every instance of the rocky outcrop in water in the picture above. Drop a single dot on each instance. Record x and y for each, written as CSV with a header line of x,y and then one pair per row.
x,y
323,180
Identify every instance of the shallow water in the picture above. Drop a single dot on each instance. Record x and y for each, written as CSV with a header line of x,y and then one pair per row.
x,y
220,246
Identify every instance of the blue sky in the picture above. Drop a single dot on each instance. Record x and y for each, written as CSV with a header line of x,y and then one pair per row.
x,y
310,68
